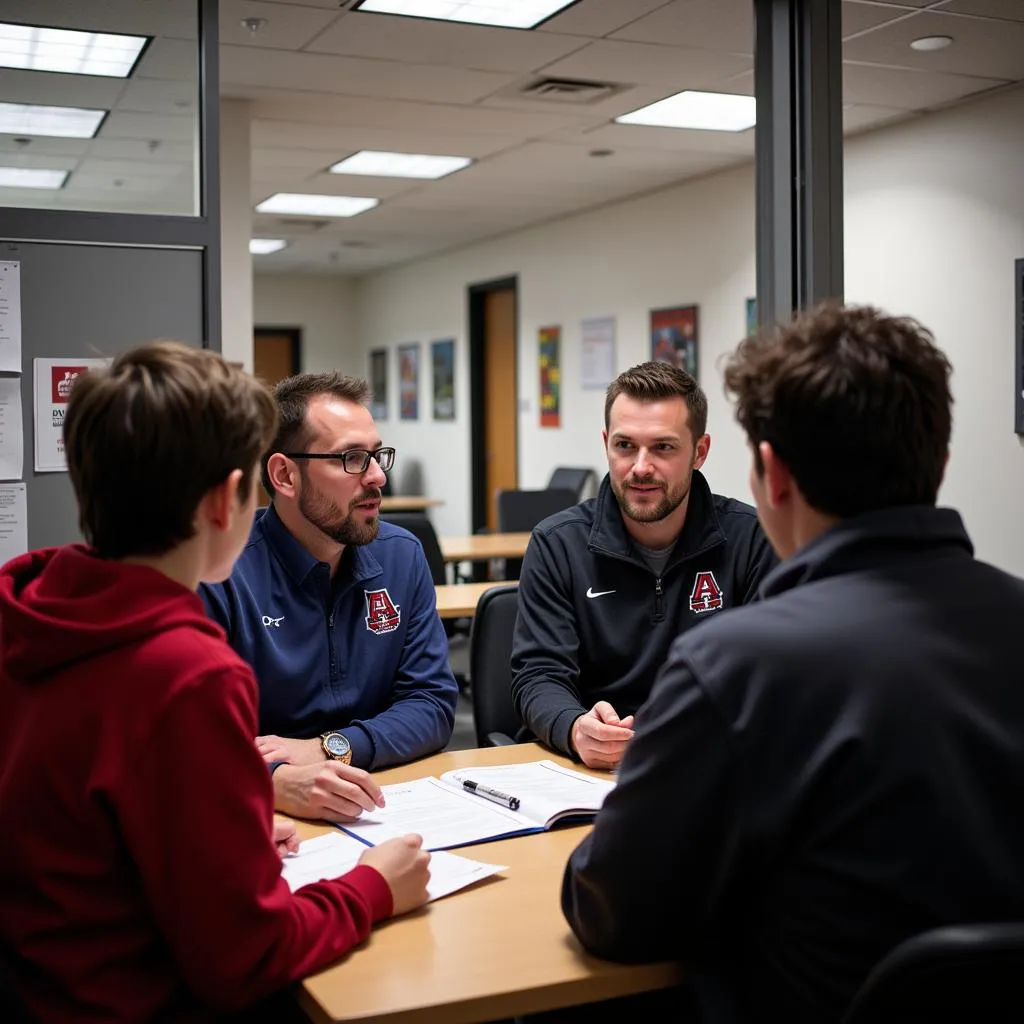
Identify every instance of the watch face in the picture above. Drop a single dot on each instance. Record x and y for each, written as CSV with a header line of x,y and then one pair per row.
x,y
336,745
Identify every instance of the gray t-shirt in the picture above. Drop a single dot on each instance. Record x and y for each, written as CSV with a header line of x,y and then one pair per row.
x,y
656,558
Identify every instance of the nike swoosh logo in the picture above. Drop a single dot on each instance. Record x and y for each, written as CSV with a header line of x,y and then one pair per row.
x,y
598,593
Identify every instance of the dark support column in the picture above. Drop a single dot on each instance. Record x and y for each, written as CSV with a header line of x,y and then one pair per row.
x,y
799,139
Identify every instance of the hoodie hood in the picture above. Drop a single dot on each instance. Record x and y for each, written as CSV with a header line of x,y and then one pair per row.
x,y
62,605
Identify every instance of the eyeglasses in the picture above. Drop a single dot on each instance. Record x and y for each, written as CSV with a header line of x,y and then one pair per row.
x,y
355,460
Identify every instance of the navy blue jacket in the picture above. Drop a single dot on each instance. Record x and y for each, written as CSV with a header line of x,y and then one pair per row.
x,y
821,774
595,624
367,656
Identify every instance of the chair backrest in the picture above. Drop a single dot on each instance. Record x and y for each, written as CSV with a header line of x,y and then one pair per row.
x,y
490,657
578,479
523,510
422,529
968,972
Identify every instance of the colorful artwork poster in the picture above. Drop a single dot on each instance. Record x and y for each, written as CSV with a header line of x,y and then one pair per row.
x,y
409,381
751,317
442,360
379,383
674,337
548,341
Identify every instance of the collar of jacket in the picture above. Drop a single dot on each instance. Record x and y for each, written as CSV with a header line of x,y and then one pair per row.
x,y
883,537
701,528
299,563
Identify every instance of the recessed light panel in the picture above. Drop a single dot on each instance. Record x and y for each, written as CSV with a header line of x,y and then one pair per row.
x,y
503,13
34,48
265,246
302,204
376,163
31,177
56,122
706,111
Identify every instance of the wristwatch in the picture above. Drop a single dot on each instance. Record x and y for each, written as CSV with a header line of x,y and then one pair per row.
x,y
336,747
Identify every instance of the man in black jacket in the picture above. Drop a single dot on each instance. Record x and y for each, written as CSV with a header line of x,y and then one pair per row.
x,y
840,765
607,586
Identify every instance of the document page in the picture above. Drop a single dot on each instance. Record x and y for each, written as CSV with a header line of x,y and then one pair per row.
x,y
443,815
335,853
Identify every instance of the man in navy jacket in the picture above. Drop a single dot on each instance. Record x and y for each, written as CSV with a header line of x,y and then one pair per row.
x,y
335,610
840,765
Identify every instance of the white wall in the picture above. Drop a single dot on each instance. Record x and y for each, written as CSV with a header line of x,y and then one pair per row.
x,y
323,308
235,232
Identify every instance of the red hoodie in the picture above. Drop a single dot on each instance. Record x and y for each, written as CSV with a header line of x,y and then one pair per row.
x,y
138,874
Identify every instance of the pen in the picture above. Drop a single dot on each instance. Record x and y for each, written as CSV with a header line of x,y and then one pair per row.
x,y
511,802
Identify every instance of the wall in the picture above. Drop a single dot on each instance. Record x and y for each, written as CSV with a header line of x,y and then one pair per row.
x,y
235,232
934,219
323,308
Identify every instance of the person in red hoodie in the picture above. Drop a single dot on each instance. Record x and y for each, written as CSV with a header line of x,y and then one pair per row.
x,y
140,878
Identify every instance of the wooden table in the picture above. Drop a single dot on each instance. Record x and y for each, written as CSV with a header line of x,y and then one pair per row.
x,y
479,547
408,503
459,600
496,950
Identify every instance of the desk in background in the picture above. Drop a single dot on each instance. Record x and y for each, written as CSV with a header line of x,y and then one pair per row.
x,y
479,547
459,600
497,950
408,503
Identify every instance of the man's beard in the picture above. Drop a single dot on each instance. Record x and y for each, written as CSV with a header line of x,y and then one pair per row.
x,y
649,513
328,518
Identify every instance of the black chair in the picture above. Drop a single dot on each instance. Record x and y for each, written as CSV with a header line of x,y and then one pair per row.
x,y
578,479
490,671
521,511
971,973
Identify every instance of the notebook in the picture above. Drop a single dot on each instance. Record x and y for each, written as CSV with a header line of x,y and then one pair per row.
x,y
448,811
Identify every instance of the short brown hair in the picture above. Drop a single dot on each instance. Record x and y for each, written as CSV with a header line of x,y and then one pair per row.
x,y
148,436
651,382
293,396
856,403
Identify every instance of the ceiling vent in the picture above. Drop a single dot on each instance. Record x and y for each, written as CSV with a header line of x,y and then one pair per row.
x,y
301,225
569,90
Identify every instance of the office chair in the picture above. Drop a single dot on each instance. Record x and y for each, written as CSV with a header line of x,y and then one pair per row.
x,y
578,479
972,973
520,511
490,671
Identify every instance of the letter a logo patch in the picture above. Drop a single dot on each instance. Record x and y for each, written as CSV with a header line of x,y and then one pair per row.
x,y
382,614
706,595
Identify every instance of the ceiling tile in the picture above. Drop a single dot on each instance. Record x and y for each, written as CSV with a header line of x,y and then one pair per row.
x,y
911,90
433,42
992,49
649,64
154,96
244,65
175,60
859,117
859,17
120,125
285,28
135,17
1010,10
725,25
597,18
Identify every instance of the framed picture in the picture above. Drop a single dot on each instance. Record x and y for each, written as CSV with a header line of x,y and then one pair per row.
x,y
409,381
1018,292
442,361
674,337
379,383
548,343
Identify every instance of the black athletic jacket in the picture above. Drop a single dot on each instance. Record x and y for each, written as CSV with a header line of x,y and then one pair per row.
x,y
595,624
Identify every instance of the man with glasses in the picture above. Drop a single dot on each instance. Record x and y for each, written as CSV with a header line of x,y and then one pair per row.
x,y
335,610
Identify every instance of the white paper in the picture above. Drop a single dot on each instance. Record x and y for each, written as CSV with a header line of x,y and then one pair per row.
x,y
335,853
12,439
13,522
52,388
10,317
597,352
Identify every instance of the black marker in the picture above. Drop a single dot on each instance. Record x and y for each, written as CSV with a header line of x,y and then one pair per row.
x,y
511,802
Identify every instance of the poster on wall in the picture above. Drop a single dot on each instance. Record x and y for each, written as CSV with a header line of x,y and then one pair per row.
x,y
597,353
54,379
379,383
409,381
751,317
674,337
548,339
442,360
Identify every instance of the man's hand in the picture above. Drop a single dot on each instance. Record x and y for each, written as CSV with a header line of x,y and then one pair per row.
x,y
286,837
281,748
405,867
600,736
330,789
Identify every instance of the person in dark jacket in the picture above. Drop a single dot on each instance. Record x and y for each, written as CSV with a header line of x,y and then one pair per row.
x,y
335,610
607,586
840,765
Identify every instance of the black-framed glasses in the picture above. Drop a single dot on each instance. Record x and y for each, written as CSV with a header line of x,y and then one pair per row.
x,y
355,460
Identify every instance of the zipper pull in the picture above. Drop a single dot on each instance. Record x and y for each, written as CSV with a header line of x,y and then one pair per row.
x,y
658,593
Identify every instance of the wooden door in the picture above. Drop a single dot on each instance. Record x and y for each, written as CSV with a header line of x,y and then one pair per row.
x,y
275,355
499,397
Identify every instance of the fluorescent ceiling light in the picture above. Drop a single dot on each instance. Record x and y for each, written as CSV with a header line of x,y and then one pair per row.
x,y
927,44
305,205
375,163
265,246
708,111
31,177
34,48
61,122
503,13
